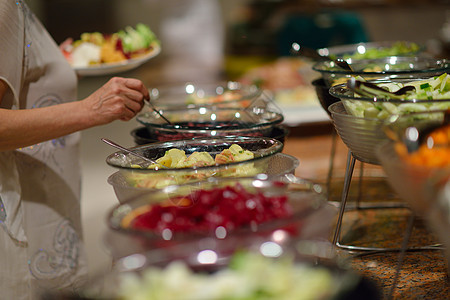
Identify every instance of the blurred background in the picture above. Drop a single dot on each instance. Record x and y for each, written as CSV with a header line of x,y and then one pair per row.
x,y
212,40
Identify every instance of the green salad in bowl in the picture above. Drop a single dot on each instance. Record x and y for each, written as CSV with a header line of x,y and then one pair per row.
x,y
372,50
427,94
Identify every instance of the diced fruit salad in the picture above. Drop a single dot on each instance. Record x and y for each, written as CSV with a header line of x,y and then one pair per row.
x,y
249,276
96,48
433,89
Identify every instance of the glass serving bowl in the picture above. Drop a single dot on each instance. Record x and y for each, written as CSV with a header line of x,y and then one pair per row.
x,y
438,187
142,136
382,68
360,135
380,107
409,179
189,94
372,50
275,165
254,268
257,206
209,121
262,148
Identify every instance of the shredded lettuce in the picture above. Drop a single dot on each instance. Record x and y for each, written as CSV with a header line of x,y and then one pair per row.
x,y
434,88
134,39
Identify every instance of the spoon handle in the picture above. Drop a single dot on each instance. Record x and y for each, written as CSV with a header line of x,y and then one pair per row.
x,y
115,145
157,111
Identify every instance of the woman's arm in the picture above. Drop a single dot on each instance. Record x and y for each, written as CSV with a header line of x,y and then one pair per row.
x,y
118,99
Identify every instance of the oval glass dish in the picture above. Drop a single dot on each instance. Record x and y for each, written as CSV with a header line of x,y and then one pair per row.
x,y
223,208
382,68
209,121
275,165
262,149
142,136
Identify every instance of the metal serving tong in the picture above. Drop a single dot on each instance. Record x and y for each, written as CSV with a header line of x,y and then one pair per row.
x,y
368,89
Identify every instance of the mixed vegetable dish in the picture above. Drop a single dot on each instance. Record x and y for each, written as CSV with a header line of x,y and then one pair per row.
x,y
95,48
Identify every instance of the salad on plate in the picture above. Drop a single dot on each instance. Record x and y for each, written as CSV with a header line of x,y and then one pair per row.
x,y
95,49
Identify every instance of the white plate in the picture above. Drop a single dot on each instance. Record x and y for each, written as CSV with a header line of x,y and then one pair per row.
x,y
114,68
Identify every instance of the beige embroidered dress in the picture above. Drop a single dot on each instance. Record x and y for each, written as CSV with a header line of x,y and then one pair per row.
x,y
40,226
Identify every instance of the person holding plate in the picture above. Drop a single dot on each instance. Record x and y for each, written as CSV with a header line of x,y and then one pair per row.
x,y
41,241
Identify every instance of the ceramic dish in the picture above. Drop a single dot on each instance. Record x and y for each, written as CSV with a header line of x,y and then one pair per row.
x,y
114,68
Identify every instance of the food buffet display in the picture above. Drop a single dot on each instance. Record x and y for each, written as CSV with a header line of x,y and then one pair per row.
x,y
221,179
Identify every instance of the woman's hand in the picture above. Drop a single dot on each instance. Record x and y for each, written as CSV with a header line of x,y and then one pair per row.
x,y
119,99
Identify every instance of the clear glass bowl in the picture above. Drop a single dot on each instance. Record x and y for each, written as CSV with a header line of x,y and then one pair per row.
x,y
409,180
142,136
438,220
372,50
262,148
316,277
274,165
382,68
379,107
310,215
360,135
189,94
209,121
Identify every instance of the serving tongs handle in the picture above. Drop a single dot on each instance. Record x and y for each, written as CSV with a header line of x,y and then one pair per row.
x,y
368,89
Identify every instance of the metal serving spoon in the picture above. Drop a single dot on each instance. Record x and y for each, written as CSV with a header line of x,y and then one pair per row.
x,y
369,89
298,50
115,145
157,111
